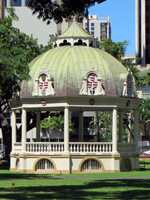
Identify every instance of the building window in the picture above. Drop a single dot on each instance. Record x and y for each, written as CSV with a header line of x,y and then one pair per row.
x,y
92,24
92,28
103,24
45,165
92,33
103,29
15,3
103,33
91,165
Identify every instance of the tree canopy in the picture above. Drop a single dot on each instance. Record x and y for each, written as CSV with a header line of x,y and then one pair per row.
x,y
16,51
117,50
56,123
61,9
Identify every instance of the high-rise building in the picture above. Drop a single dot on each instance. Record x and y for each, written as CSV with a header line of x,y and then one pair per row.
x,y
142,10
30,24
99,27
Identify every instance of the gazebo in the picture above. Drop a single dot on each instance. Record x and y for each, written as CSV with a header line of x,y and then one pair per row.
x,y
75,77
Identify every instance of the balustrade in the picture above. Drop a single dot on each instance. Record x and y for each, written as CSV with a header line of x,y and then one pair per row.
x,y
45,147
75,147
88,147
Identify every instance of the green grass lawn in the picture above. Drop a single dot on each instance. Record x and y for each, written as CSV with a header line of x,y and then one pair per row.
x,y
76,189
19,186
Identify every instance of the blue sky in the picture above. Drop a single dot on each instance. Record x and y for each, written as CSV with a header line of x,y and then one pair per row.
x,y
122,19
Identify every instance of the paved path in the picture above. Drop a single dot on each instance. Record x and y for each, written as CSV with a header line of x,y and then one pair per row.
x,y
58,178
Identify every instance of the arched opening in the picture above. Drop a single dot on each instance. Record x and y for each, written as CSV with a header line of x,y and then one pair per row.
x,y
80,43
90,165
91,44
65,43
44,165
125,164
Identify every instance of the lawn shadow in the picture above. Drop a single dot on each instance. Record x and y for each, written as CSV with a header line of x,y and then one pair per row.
x,y
101,189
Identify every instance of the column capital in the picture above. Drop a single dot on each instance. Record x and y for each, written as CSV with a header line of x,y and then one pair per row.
x,y
66,107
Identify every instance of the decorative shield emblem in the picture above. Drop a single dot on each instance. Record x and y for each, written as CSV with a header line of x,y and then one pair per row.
x,y
46,84
92,77
95,84
89,84
41,85
43,102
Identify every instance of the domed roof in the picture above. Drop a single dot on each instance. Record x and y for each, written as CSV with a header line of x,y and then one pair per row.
x,y
69,71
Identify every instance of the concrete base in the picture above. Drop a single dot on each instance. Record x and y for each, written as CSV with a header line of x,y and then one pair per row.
x,y
66,163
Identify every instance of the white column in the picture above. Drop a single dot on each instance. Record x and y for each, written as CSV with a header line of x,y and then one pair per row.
x,y
13,124
66,130
120,126
81,126
136,129
143,33
24,129
23,2
38,126
114,131
8,3
137,27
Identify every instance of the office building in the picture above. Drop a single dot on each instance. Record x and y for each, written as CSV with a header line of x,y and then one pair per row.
x,y
142,10
99,27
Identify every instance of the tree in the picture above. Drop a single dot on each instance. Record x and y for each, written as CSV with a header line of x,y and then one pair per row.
x,y
117,50
16,51
56,123
144,114
53,10
101,125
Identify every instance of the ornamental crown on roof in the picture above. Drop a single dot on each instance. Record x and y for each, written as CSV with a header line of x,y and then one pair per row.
x,y
75,36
